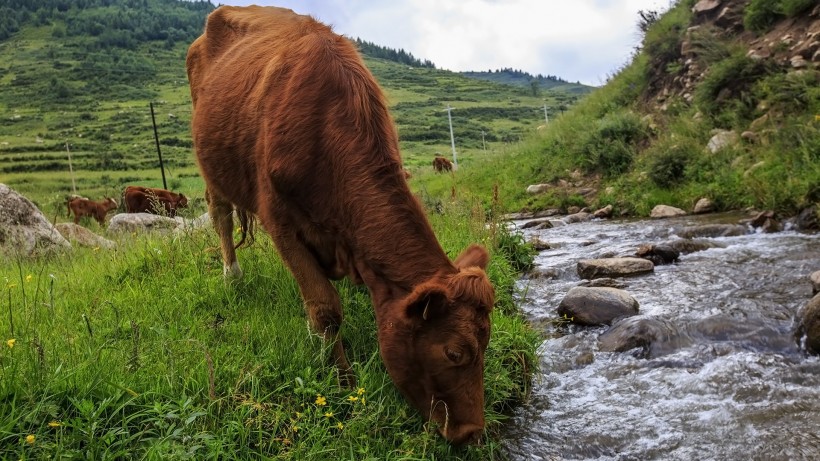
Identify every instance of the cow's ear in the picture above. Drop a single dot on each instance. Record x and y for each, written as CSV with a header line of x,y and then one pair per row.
x,y
426,302
473,256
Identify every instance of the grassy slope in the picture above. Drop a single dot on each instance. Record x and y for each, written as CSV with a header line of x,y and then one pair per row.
x,y
108,127
638,155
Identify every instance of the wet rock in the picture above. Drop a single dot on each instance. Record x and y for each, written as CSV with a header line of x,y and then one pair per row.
x,y
543,273
815,282
653,336
808,219
705,6
703,206
604,282
538,244
546,213
580,216
613,267
686,246
24,229
658,254
536,223
79,235
603,213
597,306
665,211
712,230
766,222
747,333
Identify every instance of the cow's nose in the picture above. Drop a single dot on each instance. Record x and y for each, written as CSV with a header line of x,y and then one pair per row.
x,y
467,434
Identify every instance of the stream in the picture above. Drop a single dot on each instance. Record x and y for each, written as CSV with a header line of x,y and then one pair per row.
x,y
730,384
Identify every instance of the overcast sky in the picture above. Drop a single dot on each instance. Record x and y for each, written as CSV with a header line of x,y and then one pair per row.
x,y
577,40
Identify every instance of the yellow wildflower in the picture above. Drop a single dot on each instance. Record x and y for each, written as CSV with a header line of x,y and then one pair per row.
x,y
29,277
320,400
11,342
295,428
360,391
362,400
353,398
30,439
817,118
55,424
329,414
340,425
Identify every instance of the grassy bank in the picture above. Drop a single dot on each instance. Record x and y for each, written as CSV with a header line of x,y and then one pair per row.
x,y
144,353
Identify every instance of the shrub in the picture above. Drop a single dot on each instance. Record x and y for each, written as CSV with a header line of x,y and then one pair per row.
x,y
667,168
610,147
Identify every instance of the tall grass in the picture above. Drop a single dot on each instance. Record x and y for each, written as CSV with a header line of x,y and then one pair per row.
x,y
144,352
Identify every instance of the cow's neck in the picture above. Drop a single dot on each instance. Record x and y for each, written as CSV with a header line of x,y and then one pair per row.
x,y
399,251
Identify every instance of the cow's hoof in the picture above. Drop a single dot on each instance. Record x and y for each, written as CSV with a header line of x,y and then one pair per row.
x,y
232,273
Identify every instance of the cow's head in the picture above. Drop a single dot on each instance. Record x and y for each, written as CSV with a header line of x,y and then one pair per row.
x,y
110,204
433,342
182,201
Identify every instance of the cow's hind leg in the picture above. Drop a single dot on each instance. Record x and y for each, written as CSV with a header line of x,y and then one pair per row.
x,y
322,303
221,211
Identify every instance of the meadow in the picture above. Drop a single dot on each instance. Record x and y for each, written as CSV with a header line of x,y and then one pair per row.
x,y
144,352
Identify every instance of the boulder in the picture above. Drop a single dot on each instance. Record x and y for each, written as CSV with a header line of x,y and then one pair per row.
x,y
703,206
580,216
603,213
705,6
142,222
815,282
613,267
808,219
538,223
537,189
721,140
658,254
653,336
665,211
79,235
597,305
766,222
24,229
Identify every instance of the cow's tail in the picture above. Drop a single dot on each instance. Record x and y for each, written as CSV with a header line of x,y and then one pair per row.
x,y
246,223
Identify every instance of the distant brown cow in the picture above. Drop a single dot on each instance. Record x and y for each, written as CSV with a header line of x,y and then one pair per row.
x,y
140,199
441,164
82,207
289,124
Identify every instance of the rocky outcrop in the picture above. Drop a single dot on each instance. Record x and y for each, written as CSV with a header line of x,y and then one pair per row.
x,y
807,331
24,230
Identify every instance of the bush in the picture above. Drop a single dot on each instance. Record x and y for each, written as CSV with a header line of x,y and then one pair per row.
x,y
610,147
667,168
760,15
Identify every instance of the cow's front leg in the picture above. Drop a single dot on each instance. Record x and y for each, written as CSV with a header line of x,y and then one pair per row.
x,y
322,303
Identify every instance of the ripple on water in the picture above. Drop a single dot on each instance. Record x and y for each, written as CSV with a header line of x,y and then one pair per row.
x,y
737,389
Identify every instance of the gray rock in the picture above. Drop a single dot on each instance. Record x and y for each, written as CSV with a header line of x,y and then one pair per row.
x,y
653,336
597,305
24,230
703,205
815,282
143,222
712,230
665,211
613,267
79,235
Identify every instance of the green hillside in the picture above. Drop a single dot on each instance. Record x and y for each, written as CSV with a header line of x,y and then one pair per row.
x,y
78,76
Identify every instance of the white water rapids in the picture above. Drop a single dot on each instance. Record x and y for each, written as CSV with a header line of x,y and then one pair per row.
x,y
734,387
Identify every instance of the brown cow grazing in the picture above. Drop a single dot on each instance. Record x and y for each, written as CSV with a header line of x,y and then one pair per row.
x,y
441,164
140,199
289,124
82,207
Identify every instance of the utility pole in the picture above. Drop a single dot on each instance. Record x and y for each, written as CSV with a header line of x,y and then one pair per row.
x,y
159,153
71,170
482,140
452,138
546,117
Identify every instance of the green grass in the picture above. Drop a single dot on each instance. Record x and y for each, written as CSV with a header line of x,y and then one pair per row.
x,y
144,353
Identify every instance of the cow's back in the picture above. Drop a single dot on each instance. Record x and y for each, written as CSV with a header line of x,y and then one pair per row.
x,y
280,99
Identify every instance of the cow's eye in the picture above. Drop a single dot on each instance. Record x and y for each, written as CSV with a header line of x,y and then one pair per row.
x,y
453,354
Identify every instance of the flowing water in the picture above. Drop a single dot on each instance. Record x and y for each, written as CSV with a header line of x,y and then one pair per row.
x,y
729,384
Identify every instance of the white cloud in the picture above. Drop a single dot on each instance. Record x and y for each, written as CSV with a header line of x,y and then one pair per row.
x,y
579,40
